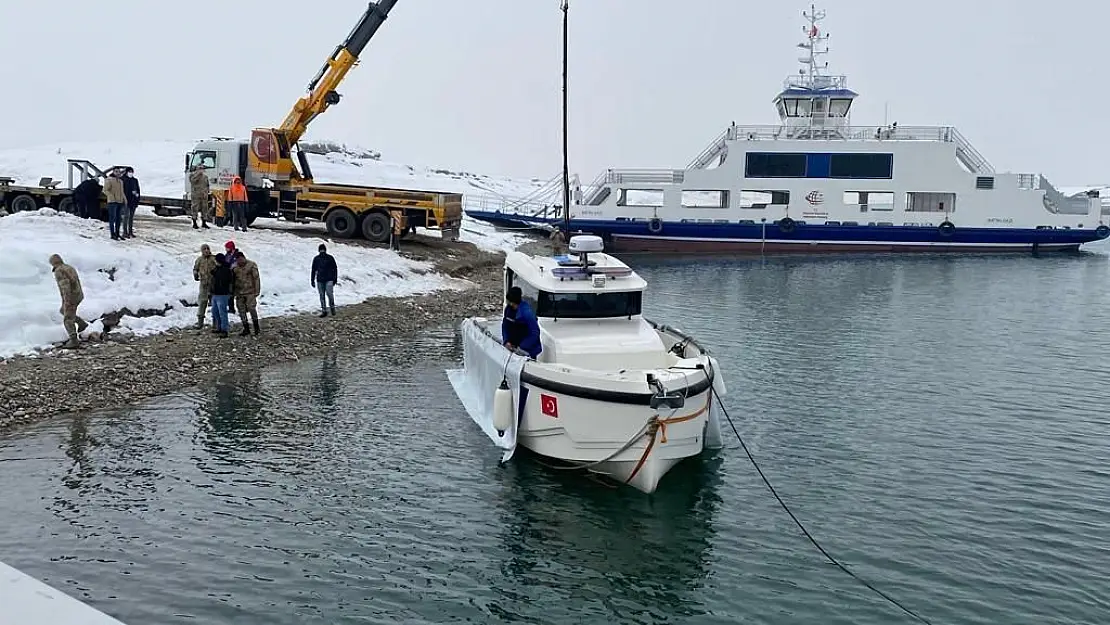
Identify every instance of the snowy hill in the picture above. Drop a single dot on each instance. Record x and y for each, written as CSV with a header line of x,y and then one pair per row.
x,y
151,275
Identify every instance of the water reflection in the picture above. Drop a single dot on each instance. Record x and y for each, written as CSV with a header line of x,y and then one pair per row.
x,y
589,552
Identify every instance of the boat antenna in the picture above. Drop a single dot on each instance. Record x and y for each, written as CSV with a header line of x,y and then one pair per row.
x,y
811,67
566,174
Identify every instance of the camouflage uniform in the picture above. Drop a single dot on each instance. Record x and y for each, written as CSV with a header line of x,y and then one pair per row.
x,y
198,196
69,287
248,286
202,273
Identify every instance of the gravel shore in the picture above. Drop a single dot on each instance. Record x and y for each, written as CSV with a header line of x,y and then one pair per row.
x,y
127,370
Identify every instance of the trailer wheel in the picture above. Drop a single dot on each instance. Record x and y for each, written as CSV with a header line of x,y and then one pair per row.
x,y
377,227
22,203
67,205
341,222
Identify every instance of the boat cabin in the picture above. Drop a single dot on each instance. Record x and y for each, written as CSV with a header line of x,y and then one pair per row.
x,y
589,306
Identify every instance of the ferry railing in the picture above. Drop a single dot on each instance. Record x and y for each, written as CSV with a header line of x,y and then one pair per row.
x,y
944,134
523,207
645,176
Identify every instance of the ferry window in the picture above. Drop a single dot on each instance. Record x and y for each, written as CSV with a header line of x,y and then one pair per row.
x,y
791,107
705,199
851,165
873,200
838,107
804,108
774,165
641,197
589,305
762,199
819,105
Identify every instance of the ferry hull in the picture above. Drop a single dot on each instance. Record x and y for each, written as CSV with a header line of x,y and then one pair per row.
x,y
625,244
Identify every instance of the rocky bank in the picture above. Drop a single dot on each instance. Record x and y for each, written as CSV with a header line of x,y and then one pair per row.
x,y
123,371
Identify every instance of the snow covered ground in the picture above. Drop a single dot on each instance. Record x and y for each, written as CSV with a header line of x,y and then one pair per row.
x,y
154,270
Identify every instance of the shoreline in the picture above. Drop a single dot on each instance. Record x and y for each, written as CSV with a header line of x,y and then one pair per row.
x,y
125,371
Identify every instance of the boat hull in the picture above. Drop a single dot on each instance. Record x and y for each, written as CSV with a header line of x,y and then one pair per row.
x,y
633,444
695,238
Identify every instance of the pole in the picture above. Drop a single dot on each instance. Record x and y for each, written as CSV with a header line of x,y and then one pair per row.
x,y
566,167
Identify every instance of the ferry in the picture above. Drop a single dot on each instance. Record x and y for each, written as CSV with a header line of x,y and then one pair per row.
x,y
816,183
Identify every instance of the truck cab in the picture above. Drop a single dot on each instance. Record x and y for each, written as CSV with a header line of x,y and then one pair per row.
x,y
222,159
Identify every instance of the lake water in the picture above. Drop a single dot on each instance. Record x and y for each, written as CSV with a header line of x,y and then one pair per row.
x,y
941,425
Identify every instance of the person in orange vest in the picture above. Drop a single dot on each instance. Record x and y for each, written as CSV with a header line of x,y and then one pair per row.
x,y
237,203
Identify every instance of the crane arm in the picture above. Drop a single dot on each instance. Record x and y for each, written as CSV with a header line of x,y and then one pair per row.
x,y
322,90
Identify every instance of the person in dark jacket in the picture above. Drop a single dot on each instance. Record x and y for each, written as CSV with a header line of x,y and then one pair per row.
x,y
325,273
86,197
520,329
223,283
131,190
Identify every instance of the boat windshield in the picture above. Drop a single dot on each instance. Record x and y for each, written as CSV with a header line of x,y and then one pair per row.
x,y
589,305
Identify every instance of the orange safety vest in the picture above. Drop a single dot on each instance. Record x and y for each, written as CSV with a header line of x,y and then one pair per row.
x,y
237,192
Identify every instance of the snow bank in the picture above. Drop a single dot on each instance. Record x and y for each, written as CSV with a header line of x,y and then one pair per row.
x,y
160,165
154,272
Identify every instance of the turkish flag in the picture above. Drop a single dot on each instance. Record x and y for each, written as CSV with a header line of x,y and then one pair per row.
x,y
550,405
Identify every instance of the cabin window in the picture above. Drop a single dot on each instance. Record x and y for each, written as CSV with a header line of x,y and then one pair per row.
x,y
651,198
838,107
528,292
763,199
791,106
589,305
861,165
917,202
774,165
870,200
819,106
705,199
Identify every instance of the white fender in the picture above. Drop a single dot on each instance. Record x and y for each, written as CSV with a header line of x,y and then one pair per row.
x,y
503,408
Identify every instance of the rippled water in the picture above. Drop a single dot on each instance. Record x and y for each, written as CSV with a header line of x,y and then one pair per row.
x,y
942,425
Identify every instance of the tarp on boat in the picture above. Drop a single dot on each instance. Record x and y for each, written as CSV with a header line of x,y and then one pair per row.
x,y
485,363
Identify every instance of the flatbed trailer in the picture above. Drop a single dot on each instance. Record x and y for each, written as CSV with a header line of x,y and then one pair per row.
x,y
16,198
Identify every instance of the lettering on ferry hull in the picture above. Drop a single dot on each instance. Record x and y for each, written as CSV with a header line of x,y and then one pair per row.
x,y
1000,220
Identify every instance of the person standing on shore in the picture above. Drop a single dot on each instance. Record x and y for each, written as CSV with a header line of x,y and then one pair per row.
x,y
222,285
199,188
229,256
325,273
117,202
69,287
248,286
87,198
237,203
202,273
131,191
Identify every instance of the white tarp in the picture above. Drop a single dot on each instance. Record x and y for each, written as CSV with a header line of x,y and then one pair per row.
x,y
485,363
25,600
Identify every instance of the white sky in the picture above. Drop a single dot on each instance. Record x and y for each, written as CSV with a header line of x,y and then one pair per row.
x,y
475,83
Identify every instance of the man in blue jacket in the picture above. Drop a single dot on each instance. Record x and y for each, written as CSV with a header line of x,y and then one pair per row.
x,y
519,328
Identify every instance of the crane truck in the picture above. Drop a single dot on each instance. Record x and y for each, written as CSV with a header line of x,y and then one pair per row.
x,y
276,187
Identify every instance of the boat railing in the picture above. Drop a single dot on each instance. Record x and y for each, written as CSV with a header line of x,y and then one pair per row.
x,y
487,202
645,176
944,134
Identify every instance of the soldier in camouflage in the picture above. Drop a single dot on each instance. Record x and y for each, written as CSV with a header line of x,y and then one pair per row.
x,y
69,287
199,189
248,286
202,273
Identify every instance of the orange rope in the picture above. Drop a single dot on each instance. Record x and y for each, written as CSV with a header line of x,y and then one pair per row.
x,y
660,425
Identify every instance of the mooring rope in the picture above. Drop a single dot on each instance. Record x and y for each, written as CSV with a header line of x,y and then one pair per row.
x,y
802,527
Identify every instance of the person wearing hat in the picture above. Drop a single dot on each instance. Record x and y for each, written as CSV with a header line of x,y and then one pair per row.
x,y
324,274
248,286
69,287
203,267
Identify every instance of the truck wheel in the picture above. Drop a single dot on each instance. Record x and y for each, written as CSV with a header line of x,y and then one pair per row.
x,y
22,203
341,222
376,227
67,205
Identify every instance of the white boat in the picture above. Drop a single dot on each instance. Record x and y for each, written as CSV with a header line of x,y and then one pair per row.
x,y
814,182
610,392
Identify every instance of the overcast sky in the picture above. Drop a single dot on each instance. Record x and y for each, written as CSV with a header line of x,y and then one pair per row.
x,y
475,83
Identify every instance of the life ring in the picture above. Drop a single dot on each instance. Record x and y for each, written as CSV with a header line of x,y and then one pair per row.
x,y
786,224
655,226
946,228
1102,231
